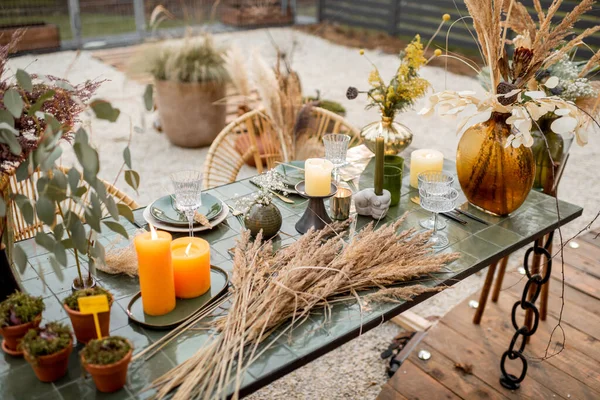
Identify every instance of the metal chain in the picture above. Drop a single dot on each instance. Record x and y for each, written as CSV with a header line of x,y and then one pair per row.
x,y
534,284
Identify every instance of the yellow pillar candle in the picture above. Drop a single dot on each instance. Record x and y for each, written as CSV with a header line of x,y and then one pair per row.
x,y
317,176
424,160
156,272
191,266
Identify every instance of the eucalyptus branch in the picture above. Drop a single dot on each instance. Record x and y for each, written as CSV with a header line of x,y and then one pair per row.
x,y
75,251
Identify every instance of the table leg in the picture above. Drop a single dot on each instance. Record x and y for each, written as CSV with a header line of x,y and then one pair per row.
x,y
499,279
546,286
531,292
485,291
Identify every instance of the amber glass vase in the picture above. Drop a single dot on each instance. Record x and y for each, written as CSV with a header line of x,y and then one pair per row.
x,y
494,177
397,136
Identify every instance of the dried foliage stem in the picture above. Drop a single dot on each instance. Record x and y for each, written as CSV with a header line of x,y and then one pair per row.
x,y
272,288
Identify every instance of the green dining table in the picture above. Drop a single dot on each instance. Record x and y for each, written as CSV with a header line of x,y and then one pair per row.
x,y
479,245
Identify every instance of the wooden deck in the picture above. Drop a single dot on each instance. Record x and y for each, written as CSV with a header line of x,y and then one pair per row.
x,y
456,343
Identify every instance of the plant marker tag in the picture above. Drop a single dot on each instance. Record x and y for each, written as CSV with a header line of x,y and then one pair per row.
x,y
94,305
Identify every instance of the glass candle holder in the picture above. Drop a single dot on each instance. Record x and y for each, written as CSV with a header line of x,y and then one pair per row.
x,y
392,182
340,204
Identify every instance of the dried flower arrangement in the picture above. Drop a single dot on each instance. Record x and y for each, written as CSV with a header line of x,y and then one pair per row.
x,y
512,87
272,288
268,182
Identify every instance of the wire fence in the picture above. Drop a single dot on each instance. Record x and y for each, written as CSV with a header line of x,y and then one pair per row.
x,y
83,23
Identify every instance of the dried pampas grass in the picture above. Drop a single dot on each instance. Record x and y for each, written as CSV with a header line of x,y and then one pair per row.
x,y
273,288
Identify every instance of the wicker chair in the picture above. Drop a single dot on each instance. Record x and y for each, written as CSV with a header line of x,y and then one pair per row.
x,y
251,139
22,230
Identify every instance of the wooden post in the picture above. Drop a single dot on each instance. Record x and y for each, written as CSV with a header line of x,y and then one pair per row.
x,y
321,10
393,22
485,291
140,17
75,19
499,279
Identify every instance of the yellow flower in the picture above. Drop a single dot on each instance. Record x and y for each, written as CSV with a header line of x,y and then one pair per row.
x,y
437,52
375,78
361,52
446,17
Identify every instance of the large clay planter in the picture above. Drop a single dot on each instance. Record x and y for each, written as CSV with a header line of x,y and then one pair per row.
x,y
188,115
13,335
112,377
83,324
52,367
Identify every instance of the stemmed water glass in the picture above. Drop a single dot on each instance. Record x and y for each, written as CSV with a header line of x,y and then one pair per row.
x,y
436,182
187,187
438,203
336,147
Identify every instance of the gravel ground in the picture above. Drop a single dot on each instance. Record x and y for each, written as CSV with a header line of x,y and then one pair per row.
x,y
354,370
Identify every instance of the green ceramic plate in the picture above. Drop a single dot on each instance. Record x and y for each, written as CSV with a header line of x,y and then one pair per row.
x,y
291,176
184,308
165,211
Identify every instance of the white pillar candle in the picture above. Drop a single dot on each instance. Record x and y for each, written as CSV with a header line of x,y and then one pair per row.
x,y
317,176
424,160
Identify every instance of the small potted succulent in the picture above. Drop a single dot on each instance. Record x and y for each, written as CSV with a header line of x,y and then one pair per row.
x,y
47,349
107,360
83,324
258,209
19,313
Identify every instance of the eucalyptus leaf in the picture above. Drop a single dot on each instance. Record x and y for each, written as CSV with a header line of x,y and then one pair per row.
x,y
25,207
77,231
127,157
45,240
101,191
24,80
87,157
2,207
67,243
133,179
45,209
10,139
111,206
56,267
148,101
73,177
20,258
55,190
116,227
54,124
81,136
51,158
37,106
93,213
64,85
6,116
6,126
126,212
23,170
13,102
60,253
80,191
58,232
42,183
104,110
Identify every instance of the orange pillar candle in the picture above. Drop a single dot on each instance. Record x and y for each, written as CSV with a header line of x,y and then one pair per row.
x,y
191,266
156,272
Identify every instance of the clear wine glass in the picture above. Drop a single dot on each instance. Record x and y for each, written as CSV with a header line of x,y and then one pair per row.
x,y
438,203
336,147
436,182
187,187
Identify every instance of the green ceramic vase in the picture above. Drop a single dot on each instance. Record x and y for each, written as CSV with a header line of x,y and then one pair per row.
x,y
265,217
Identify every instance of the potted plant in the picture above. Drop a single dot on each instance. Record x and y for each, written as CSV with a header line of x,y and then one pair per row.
x,y
107,360
47,349
37,114
260,213
189,78
19,313
83,324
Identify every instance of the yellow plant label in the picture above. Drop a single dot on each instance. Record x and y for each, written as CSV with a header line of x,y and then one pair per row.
x,y
93,304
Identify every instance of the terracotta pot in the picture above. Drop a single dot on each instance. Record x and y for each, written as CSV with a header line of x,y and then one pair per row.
x,y
52,367
112,377
188,115
83,324
13,335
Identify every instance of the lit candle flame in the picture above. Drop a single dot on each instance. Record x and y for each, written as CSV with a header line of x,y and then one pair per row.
x,y
153,233
187,250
